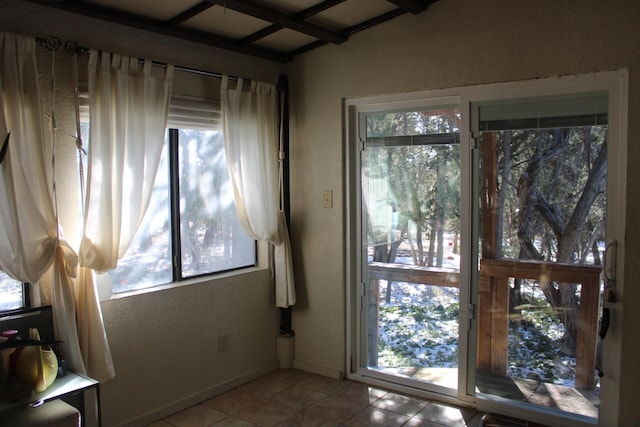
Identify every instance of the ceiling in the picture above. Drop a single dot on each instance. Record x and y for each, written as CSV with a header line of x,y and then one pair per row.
x,y
273,29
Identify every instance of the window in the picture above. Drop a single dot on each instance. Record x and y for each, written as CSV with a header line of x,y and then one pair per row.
x,y
191,217
210,234
191,227
12,293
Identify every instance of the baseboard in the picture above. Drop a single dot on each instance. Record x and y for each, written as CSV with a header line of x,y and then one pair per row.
x,y
201,396
320,370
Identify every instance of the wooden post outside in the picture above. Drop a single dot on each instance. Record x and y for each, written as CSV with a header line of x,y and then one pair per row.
x,y
499,325
373,325
587,332
484,323
586,275
493,298
489,196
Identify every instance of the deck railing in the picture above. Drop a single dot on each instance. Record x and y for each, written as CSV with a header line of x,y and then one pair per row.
x,y
493,300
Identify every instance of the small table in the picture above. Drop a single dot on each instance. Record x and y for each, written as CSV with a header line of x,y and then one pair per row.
x,y
70,388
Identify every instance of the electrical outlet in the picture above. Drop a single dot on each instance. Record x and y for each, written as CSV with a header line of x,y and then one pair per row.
x,y
222,342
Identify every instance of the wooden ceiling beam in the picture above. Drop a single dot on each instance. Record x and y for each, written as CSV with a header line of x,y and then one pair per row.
x,y
411,6
190,13
303,14
279,20
259,11
352,30
144,23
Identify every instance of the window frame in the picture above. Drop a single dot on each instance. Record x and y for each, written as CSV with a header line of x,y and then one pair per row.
x,y
174,217
26,297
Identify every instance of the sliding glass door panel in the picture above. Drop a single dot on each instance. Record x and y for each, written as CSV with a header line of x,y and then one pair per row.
x,y
410,184
542,216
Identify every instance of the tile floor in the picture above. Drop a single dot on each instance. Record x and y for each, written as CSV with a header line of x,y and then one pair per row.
x,y
296,398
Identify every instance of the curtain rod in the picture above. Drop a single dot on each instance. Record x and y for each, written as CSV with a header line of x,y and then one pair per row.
x,y
53,43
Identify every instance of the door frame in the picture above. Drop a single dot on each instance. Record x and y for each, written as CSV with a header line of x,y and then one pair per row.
x,y
615,83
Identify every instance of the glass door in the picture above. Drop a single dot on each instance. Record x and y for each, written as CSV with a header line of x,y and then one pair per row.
x,y
541,215
410,244
481,245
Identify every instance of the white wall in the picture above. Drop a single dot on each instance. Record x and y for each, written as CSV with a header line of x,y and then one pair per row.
x,y
454,43
163,343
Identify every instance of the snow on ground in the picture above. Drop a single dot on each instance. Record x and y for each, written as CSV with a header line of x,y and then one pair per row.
x,y
419,328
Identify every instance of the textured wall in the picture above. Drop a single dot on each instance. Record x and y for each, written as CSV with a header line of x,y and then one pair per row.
x,y
455,43
163,342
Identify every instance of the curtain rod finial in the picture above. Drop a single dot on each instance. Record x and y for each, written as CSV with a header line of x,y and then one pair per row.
x,y
74,49
52,42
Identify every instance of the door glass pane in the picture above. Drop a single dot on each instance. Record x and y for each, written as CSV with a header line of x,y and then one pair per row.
x,y
410,202
542,214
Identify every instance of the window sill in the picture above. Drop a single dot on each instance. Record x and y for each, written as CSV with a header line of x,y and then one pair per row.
x,y
212,279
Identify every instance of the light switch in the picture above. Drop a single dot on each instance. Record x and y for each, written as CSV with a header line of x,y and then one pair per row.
x,y
327,199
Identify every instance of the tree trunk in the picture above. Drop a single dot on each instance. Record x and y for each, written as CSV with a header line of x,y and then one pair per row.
x,y
419,244
502,190
561,296
440,238
432,242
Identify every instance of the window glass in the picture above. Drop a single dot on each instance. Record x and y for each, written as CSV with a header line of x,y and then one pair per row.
x,y
10,293
210,233
147,262
210,237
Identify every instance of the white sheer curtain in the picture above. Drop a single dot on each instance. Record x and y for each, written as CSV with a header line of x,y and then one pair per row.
x,y
127,116
30,242
28,225
250,127
128,112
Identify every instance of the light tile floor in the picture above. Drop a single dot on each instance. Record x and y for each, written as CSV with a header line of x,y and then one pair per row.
x,y
296,398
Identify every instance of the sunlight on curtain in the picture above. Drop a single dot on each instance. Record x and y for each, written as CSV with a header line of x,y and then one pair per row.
x,y
128,114
28,231
250,128
30,242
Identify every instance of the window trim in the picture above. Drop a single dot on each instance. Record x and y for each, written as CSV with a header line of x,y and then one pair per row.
x,y
174,213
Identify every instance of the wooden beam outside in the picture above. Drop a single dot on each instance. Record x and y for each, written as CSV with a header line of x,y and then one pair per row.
x,y
588,276
373,322
490,297
587,332
489,197
540,270
485,302
414,274
499,324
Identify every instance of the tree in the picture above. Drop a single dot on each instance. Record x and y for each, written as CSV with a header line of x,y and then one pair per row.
x,y
559,199
421,179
